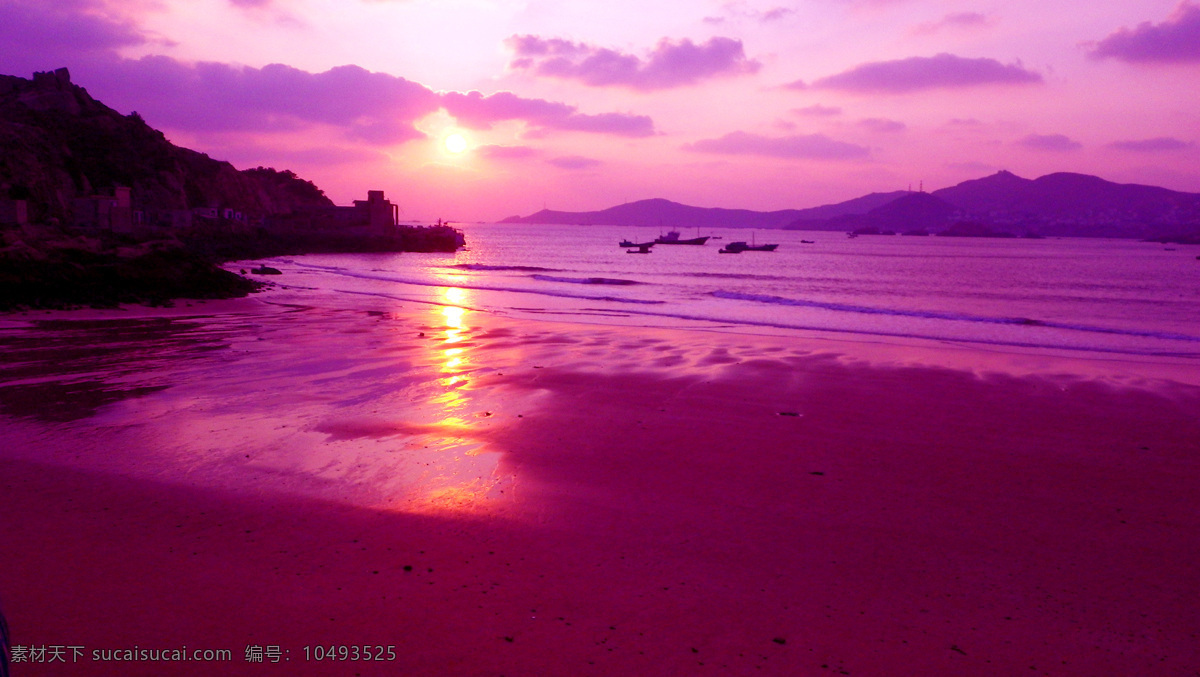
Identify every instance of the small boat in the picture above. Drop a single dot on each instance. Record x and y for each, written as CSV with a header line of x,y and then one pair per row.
x,y
630,243
673,238
808,241
641,249
727,250
737,247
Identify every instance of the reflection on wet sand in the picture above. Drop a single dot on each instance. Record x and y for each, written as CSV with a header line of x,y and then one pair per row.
x,y
360,411
468,477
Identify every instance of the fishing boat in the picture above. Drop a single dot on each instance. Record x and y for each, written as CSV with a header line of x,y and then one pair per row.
x,y
673,238
737,247
741,246
630,243
641,248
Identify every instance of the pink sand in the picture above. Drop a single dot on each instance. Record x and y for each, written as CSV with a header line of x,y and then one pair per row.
x,y
502,498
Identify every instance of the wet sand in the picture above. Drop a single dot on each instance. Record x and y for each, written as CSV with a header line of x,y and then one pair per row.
x,y
492,497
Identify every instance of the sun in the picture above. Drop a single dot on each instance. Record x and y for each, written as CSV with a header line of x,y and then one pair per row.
x,y
455,143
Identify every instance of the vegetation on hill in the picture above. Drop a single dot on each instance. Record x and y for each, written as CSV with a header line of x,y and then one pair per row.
x,y
58,144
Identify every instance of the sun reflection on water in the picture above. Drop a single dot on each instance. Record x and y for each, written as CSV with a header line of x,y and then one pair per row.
x,y
462,475
454,360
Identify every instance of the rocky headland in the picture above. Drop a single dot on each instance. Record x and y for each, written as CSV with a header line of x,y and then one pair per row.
x,y
98,208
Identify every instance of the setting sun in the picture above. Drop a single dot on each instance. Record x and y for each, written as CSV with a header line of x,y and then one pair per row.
x,y
455,143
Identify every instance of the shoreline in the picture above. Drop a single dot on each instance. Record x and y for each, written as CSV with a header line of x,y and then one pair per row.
x,y
591,500
1134,369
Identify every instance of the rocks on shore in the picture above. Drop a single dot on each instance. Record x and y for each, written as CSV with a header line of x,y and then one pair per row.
x,y
53,268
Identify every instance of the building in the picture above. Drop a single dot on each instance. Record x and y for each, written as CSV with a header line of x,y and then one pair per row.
x,y
113,213
375,215
14,212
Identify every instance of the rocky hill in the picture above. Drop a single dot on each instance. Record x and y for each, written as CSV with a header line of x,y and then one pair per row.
x,y
910,212
1059,204
57,143
1067,204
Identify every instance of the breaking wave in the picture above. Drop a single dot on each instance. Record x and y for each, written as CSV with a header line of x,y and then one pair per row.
x,y
934,315
585,280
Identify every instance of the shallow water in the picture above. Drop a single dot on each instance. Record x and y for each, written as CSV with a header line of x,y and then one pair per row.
x,y
1089,295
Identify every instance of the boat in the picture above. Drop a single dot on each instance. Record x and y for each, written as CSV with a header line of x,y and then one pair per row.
x,y
673,238
641,249
740,246
630,243
748,247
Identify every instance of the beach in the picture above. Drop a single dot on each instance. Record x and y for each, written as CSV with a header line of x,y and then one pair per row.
x,y
427,489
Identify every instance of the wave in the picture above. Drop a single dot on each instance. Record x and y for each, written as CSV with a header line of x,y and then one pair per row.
x,y
584,280
442,283
485,267
716,321
957,317
1024,332
732,276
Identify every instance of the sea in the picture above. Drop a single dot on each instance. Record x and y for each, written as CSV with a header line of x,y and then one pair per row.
x,y
1078,295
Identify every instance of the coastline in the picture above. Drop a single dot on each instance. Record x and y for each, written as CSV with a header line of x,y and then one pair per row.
x,y
582,499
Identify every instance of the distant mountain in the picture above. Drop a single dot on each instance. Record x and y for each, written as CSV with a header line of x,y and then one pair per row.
x,y
908,212
57,143
1074,204
660,212
1060,204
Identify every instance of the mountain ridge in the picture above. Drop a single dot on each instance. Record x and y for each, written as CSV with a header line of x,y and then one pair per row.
x,y
57,144
1060,204
660,211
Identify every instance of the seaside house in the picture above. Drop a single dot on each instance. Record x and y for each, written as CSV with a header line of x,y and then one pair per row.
x,y
14,212
113,212
375,215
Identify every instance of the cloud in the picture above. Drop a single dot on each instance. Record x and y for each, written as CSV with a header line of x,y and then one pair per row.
x,y
209,96
1155,145
324,155
574,162
740,10
496,152
920,72
882,125
368,106
797,85
480,111
669,65
1050,142
46,35
817,110
799,146
966,20
1176,40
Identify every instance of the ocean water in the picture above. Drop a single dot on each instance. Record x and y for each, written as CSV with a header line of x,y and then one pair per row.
x,y
1086,295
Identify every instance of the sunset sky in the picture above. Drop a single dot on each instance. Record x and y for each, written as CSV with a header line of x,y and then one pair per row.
x,y
583,104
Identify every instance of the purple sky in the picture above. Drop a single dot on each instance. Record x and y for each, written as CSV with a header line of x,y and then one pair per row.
x,y
584,104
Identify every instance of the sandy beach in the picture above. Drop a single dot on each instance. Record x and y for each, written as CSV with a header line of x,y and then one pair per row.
x,y
456,493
